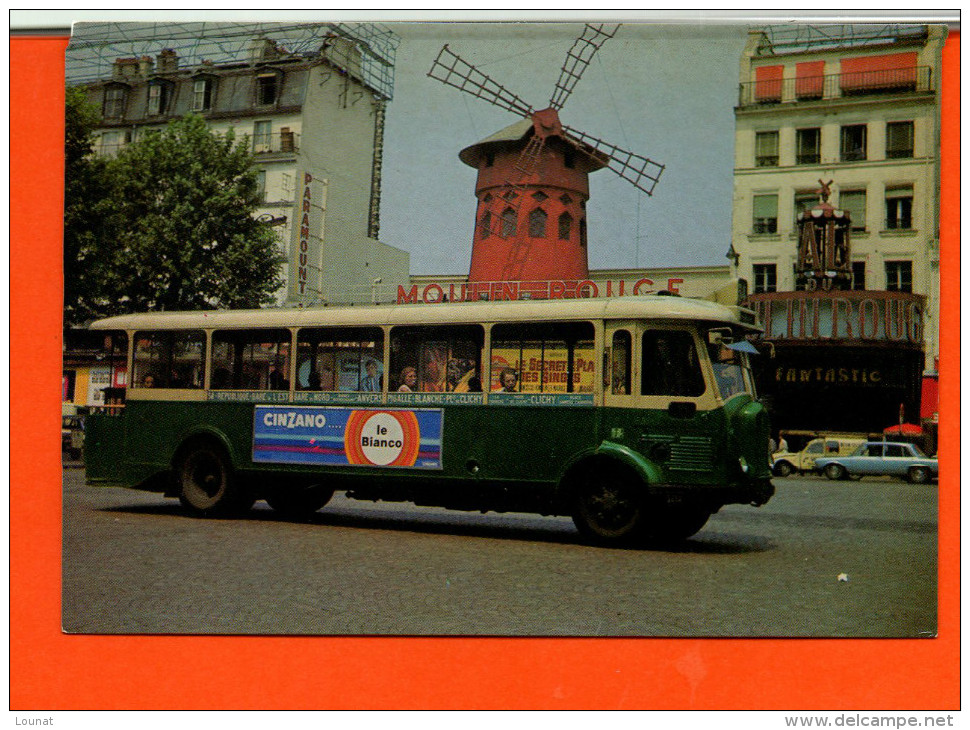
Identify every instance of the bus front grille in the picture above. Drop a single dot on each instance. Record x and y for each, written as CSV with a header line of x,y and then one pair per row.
x,y
691,453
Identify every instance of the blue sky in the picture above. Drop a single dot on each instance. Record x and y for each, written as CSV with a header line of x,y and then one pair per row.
x,y
664,91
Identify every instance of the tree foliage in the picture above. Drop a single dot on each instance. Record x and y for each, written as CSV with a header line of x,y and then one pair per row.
x,y
174,227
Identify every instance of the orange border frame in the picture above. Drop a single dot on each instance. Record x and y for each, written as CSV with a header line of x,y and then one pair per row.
x,y
50,670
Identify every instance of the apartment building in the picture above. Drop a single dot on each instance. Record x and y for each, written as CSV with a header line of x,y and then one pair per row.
x,y
850,114
315,123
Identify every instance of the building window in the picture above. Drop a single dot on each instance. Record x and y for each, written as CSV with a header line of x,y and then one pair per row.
x,y
854,202
853,143
159,96
899,208
115,98
765,214
202,94
262,136
565,226
807,146
899,140
508,222
899,276
582,233
486,225
765,278
537,223
858,275
267,89
766,149
805,200
261,185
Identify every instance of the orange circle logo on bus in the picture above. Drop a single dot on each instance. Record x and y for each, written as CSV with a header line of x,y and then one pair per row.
x,y
382,438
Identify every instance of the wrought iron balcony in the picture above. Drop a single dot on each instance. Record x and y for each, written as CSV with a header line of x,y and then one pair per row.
x,y
910,80
280,142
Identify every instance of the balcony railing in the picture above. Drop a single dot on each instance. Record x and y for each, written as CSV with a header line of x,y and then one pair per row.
x,y
280,142
910,80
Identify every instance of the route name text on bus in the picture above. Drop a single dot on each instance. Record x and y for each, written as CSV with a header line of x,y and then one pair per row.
x,y
495,291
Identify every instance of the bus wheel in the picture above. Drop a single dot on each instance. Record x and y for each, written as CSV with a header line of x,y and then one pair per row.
x,y
208,486
608,508
299,503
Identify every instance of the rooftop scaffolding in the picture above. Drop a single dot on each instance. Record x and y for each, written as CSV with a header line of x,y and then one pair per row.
x,y
798,37
94,47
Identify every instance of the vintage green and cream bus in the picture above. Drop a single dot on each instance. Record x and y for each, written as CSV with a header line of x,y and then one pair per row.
x,y
636,416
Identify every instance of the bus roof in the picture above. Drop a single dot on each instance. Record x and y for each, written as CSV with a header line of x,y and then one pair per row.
x,y
549,310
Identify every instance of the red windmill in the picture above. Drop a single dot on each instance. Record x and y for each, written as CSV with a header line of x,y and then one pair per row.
x,y
533,176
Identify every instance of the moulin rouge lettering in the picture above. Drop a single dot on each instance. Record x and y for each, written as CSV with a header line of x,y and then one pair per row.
x,y
435,293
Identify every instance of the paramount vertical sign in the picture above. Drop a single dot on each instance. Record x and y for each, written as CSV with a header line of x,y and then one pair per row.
x,y
306,254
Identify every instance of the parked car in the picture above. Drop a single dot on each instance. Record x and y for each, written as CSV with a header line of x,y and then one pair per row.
x,y
72,431
882,458
785,463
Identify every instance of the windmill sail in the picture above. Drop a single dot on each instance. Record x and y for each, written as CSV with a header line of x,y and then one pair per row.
x,y
449,68
642,172
578,58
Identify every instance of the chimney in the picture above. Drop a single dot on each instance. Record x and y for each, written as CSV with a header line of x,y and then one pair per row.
x,y
263,49
168,61
344,54
125,68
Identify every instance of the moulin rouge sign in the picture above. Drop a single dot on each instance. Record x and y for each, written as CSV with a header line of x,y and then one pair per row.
x,y
495,291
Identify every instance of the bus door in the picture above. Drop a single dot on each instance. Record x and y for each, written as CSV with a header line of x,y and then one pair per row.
x,y
675,423
620,368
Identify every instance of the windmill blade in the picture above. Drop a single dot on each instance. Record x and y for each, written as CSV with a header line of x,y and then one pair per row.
x,y
637,169
451,69
578,58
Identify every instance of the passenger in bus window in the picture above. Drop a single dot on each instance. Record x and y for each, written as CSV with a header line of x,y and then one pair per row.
x,y
508,379
371,382
148,381
409,379
474,385
460,371
277,381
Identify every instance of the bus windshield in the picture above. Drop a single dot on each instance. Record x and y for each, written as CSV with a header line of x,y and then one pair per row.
x,y
732,371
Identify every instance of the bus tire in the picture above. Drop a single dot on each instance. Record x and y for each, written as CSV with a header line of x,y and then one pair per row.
x,y
608,506
208,487
299,503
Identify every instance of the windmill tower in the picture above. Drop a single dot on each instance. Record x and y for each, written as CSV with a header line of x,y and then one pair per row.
x,y
533,176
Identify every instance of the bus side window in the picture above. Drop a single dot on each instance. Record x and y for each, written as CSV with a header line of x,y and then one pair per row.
x,y
251,359
169,359
543,358
670,364
621,361
340,359
444,359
